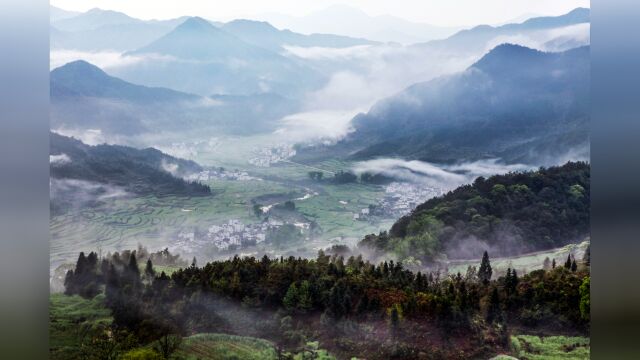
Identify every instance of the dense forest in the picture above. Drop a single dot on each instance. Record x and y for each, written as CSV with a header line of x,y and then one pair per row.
x,y
142,172
507,214
353,307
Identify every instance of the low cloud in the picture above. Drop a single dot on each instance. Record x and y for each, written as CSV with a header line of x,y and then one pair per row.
x,y
558,39
87,136
105,60
327,53
59,159
439,176
314,126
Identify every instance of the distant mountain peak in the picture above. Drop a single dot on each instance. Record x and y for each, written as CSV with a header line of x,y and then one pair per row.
x,y
195,23
79,67
251,25
506,53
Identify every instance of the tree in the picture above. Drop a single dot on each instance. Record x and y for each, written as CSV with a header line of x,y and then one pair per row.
x,y
485,272
585,298
290,300
493,310
553,264
574,266
305,302
394,320
167,345
587,256
567,264
148,270
194,262
546,265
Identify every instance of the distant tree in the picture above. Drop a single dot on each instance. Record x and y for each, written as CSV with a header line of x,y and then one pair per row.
x,y
585,298
511,281
493,309
586,258
290,300
69,284
167,345
485,272
148,270
305,301
574,266
194,262
546,265
567,264
553,263
394,320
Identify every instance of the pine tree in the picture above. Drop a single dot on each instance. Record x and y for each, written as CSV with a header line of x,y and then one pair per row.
x,y
69,284
587,256
148,270
395,320
305,301
194,262
485,272
290,300
553,264
493,310
567,264
574,266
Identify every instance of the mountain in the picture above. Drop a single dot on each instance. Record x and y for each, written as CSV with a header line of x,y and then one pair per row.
x,y
93,19
348,21
80,78
198,39
266,35
515,103
56,13
479,37
100,30
200,58
84,97
142,172
506,215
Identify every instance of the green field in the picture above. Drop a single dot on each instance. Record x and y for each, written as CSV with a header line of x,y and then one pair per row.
x,y
70,319
225,347
550,347
155,222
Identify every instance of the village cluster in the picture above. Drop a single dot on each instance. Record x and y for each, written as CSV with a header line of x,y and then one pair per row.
x,y
221,174
271,155
232,234
400,198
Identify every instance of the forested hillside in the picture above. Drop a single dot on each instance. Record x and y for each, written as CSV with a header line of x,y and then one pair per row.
x,y
352,307
146,171
507,214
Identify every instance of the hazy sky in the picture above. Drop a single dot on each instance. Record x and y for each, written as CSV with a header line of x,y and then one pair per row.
x,y
438,12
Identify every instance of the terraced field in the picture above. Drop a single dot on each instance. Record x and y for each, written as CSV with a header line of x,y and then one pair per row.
x,y
156,221
225,347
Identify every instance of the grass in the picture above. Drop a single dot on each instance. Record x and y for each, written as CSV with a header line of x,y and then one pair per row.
x,y
69,316
550,347
225,347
